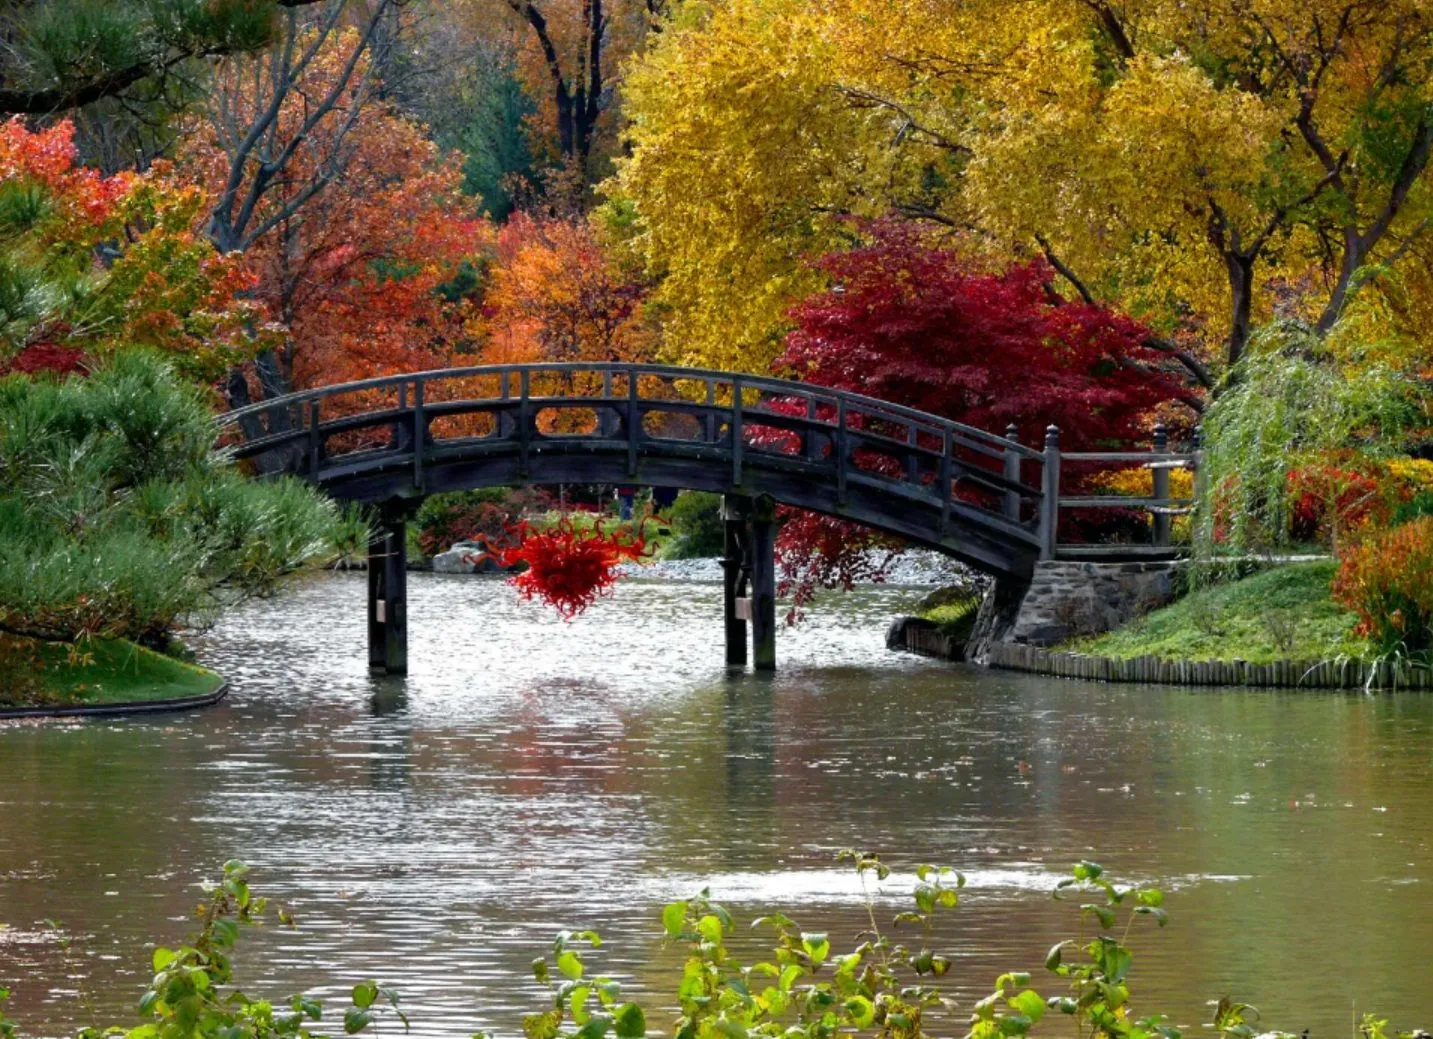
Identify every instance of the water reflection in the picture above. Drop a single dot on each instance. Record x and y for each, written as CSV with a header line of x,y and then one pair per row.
x,y
530,775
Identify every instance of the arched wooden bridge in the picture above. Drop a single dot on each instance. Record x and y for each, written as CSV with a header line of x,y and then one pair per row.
x,y
982,498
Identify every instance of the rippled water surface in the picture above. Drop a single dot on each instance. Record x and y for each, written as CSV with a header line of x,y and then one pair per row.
x,y
528,775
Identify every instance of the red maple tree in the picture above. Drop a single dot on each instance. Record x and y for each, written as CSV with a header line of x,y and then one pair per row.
x,y
918,325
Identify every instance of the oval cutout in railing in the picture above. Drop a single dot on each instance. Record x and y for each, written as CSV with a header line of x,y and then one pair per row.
x,y
575,421
469,425
673,425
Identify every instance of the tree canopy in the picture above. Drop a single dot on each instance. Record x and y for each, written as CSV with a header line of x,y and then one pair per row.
x,y
1202,166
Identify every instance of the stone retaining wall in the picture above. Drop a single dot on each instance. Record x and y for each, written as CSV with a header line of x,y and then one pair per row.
x,y
1067,600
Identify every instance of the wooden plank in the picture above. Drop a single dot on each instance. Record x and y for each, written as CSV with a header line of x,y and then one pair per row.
x,y
634,425
1115,501
1141,457
420,435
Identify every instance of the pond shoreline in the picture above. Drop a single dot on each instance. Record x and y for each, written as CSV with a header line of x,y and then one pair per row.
x,y
178,703
1278,674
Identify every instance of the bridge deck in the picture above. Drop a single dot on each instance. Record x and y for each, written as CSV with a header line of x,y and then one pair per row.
x,y
972,494
987,500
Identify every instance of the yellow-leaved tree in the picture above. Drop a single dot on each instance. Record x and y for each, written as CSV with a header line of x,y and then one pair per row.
x,y
1203,166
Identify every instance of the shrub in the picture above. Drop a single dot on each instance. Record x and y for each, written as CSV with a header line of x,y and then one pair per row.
x,y
1327,500
1420,504
1288,405
117,520
695,518
1387,580
485,515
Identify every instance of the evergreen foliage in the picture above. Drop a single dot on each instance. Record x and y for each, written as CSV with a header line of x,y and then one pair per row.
x,y
66,53
493,142
118,521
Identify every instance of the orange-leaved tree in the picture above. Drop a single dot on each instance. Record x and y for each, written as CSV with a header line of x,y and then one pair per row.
x,y
364,248
559,294
91,263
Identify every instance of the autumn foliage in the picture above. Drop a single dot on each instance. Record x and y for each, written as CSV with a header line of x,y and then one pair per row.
x,y
916,325
92,263
370,273
1387,580
558,294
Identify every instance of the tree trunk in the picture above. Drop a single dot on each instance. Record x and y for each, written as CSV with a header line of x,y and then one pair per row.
x,y
273,383
1241,303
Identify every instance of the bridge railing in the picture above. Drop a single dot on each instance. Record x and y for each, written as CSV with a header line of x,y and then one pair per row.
x,y
1158,509
743,420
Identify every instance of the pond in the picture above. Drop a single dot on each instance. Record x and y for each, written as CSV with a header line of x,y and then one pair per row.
x,y
529,775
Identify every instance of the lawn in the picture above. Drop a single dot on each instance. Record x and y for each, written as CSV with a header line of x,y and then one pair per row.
x,y
1284,613
105,672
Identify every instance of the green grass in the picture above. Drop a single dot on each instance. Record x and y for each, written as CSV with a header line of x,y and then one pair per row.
x,y
108,672
952,617
1280,614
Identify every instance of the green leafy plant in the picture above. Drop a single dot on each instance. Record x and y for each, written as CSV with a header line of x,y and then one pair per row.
x,y
885,985
1287,400
119,520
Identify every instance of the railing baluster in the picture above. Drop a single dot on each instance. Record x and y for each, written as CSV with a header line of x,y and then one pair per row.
x,y
947,449
634,424
913,473
709,420
738,436
1012,473
810,442
840,450
1161,486
315,440
524,435
420,435
1050,493
1201,476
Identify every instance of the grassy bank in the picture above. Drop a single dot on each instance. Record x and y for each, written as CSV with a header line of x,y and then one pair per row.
x,y
43,674
1280,614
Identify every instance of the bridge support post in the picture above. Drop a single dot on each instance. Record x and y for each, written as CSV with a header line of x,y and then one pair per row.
x,y
734,512
388,596
763,584
377,648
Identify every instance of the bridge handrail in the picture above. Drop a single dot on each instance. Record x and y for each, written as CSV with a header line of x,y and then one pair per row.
x,y
757,382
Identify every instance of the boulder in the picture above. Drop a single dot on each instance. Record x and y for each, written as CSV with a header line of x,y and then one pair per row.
x,y
462,558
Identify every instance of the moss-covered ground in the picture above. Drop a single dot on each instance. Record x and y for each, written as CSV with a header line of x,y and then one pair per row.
x,y
94,674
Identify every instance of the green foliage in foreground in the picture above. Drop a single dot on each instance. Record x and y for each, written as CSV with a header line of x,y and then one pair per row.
x,y
96,672
886,986
118,520
1284,613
